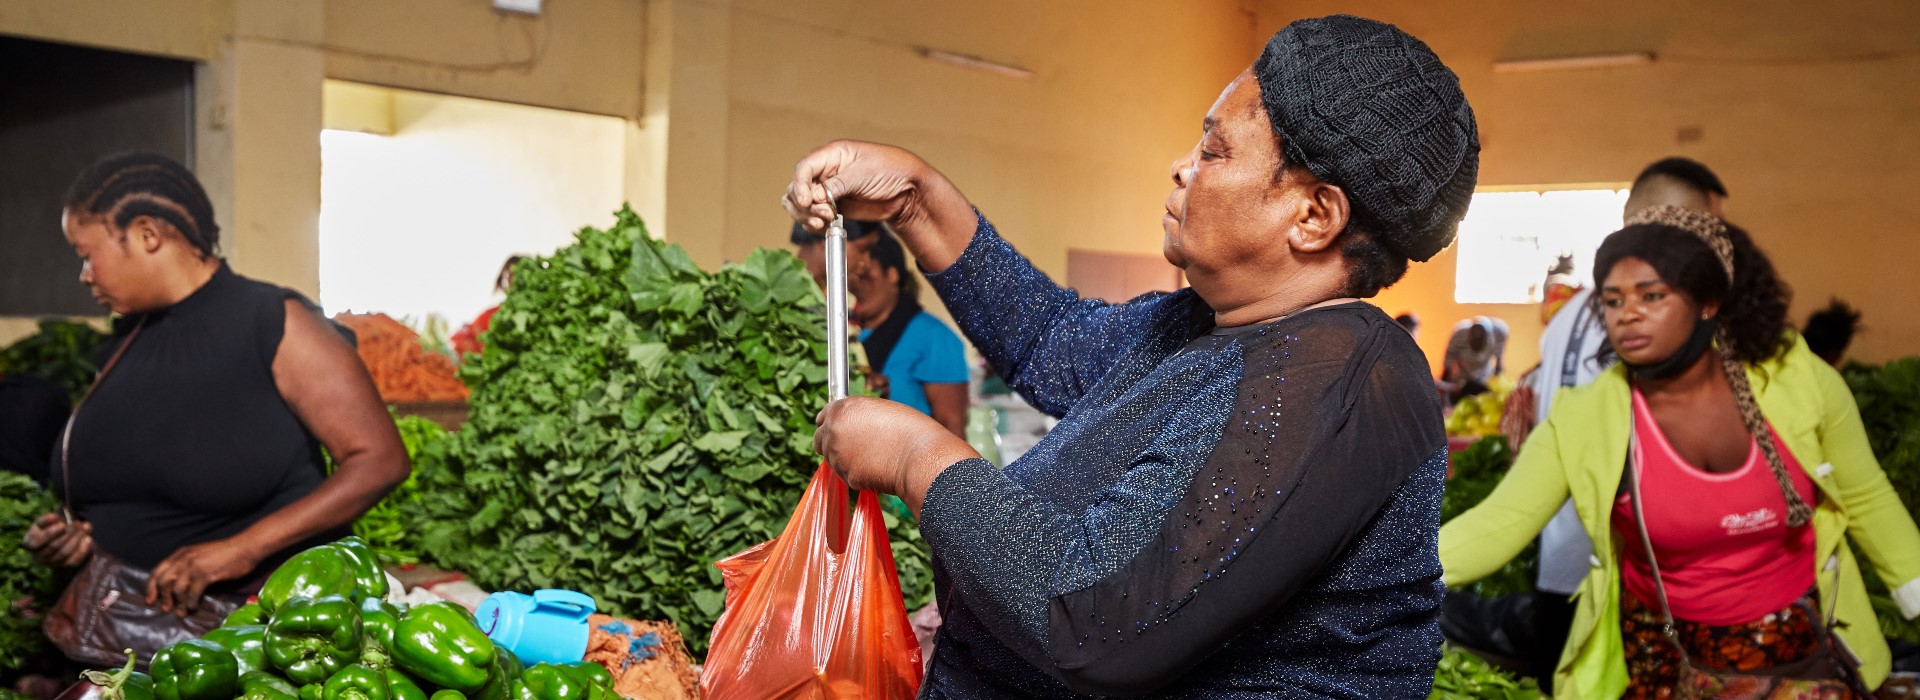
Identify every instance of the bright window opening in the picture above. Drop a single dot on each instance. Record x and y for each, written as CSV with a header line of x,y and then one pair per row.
x,y
1510,239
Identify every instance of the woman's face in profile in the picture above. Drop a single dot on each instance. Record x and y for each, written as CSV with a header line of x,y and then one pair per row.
x,y
1228,199
106,261
1647,320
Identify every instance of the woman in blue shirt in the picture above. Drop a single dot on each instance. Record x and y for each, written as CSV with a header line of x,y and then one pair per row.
x,y
922,361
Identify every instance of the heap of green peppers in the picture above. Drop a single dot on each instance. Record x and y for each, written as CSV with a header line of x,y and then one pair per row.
x,y
322,630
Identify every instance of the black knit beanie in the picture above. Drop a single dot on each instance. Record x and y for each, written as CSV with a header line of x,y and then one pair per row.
x,y
1371,109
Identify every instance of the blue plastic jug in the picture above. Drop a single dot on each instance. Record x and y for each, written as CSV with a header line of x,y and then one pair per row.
x,y
549,626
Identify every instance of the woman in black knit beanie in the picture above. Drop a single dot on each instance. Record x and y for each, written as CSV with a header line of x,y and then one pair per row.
x,y
1242,496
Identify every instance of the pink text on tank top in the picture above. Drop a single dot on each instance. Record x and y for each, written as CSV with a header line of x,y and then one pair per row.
x,y
1725,550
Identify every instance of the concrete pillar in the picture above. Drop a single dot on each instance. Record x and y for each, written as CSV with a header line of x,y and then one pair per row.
x,y
677,153
258,104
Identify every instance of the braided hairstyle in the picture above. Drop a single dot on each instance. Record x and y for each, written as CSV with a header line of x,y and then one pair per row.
x,y
131,185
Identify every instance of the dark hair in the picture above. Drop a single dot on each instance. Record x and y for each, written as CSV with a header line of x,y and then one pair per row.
x,y
1687,170
888,254
856,230
1407,320
131,185
1371,267
1830,330
1753,309
506,273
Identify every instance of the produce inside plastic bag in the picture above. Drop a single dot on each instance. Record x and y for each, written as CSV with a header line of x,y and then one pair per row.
x,y
816,612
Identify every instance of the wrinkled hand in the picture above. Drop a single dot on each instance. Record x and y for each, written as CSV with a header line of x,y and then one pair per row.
x,y
55,543
861,181
880,445
178,582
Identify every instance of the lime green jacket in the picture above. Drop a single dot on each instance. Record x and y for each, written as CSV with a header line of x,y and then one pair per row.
x,y
1580,452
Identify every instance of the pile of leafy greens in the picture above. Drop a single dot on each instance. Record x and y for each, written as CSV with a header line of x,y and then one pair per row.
x,y
61,352
1463,676
1476,470
26,589
1889,400
635,419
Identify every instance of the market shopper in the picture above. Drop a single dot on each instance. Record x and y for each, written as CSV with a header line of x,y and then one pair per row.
x,y
1240,498
811,248
196,457
1749,537
1534,626
924,363
1476,353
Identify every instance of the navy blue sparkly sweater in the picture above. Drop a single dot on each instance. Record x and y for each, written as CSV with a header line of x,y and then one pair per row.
x,y
1221,513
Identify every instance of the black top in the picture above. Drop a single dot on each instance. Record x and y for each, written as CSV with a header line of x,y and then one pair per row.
x,y
32,411
187,440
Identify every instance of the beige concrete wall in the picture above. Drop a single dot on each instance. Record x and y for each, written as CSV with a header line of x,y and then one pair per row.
x,y
579,55
1808,111
1076,155
191,29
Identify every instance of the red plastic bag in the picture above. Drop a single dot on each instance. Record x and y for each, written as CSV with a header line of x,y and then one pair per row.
x,y
816,612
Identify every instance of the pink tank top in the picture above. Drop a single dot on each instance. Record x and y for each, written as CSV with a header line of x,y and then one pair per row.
x,y
1725,549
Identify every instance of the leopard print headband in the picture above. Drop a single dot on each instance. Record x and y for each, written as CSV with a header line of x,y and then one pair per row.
x,y
1709,228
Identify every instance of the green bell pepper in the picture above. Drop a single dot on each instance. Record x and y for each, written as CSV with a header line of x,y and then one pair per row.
x,y
439,643
310,640
501,679
447,695
249,614
312,691
315,573
595,674
195,669
356,682
550,682
247,642
124,684
262,685
508,661
368,578
401,687
379,618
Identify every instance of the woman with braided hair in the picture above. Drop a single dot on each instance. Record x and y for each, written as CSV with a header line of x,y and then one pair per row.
x,y
1727,467
196,455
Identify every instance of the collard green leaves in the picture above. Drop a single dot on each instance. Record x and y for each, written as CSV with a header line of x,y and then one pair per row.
x,y
27,589
634,419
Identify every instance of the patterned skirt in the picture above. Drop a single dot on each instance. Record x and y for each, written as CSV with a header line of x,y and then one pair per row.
x,y
1653,666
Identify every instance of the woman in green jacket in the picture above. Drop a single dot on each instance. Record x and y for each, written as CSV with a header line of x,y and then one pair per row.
x,y
1698,320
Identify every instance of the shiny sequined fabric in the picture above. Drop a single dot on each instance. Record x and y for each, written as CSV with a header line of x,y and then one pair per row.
x,y
1247,512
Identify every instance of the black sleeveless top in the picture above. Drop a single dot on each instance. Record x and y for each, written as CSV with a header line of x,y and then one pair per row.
x,y
188,440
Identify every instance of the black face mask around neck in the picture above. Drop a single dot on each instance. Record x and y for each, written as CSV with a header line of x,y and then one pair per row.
x,y
1697,342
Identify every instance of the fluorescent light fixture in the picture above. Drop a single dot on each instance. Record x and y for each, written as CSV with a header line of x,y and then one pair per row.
x,y
1606,60
975,62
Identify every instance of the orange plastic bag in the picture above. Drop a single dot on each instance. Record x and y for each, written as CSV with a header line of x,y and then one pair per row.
x,y
816,612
